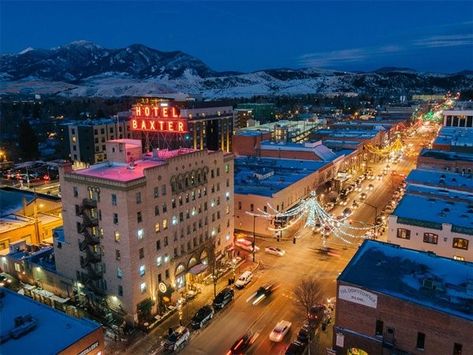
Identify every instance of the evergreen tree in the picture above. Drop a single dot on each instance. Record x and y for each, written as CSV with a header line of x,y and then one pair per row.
x,y
27,140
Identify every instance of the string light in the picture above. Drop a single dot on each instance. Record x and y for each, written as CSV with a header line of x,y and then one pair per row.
x,y
315,217
396,146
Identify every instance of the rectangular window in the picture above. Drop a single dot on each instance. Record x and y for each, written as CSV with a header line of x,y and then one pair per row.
x,y
117,254
457,349
119,273
115,218
158,245
403,233
239,205
141,253
159,261
75,191
117,236
77,210
140,233
167,273
420,341
163,190
139,217
379,327
165,224
431,238
114,200
143,287
157,227
156,210
165,208
79,227
175,252
156,192
166,241
227,168
142,270
138,197
120,290
252,207
460,243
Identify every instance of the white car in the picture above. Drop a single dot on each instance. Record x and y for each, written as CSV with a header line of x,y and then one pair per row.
x,y
275,251
245,245
179,337
244,279
280,331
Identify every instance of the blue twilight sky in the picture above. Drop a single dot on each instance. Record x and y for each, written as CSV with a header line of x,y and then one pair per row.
x,y
249,35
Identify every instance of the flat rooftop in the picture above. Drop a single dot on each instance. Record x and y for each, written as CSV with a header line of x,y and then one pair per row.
x,y
408,274
54,332
267,176
347,133
455,136
432,211
441,179
320,150
123,172
94,122
446,155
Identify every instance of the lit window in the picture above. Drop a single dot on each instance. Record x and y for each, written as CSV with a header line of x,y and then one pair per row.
x,y
456,257
140,233
157,227
213,232
174,220
143,287
165,224
227,237
117,236
431,238
166,259
460,243
142,270
159,260
119,273
227,195
403,233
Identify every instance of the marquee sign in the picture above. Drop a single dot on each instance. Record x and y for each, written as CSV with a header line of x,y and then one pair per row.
x,y
357,295
154,116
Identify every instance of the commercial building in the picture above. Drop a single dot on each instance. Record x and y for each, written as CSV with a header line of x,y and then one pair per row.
x,y
29,327
435,215
460,116
138,228
454,139
261,112
393,300
276,182
27,217
87,139
445,160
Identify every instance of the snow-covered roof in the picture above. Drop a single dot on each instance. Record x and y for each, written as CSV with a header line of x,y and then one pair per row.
x,y
433,211
54,331
455,136
267,176
418,277
441,179
446,155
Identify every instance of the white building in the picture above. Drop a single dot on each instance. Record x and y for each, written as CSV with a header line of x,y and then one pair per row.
x,y
460,116
436,214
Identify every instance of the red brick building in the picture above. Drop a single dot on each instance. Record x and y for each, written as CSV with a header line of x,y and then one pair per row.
x,y
393,300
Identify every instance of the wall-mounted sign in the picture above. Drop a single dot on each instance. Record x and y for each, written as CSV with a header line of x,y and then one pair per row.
x,y
162,287
357,295
157,117
89,348
340,340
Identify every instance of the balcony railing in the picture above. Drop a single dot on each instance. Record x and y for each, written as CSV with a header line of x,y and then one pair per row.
x,y
92,256
90,221
89,203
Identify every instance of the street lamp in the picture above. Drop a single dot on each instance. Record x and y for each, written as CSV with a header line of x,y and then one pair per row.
x,y
254,238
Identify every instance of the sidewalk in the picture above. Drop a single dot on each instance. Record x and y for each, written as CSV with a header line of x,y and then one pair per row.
x,y
151,342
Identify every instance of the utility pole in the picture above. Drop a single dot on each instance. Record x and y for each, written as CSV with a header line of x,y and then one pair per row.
x,y
254,238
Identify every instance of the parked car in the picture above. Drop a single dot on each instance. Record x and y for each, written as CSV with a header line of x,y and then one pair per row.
x,y
295,348
177,340
275,251
246,245
304,334
202,316
347,212
223,298
370,187
244,279
316,315
242,344
280,331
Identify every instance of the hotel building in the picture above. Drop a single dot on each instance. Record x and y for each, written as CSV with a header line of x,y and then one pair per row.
x,y
138,228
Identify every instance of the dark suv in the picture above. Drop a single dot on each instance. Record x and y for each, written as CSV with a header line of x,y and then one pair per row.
x,y
203,315
223,298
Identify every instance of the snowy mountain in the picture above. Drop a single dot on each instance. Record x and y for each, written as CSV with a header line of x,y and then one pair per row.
x,y
84,68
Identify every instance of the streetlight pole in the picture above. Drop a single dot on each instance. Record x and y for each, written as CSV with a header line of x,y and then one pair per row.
x,y
254,238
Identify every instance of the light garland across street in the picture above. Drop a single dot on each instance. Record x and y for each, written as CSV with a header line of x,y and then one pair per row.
x,y
315,217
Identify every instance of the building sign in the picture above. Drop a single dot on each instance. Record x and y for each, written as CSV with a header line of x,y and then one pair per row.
x,y
89,348
162,287
155,116
357,295
340,340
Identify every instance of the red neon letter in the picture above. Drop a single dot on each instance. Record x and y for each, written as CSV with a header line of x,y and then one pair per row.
x,y
138,111
147,111
180,126
161,125
171,125
174,112
156,111
165,112
143,125
151,125
134,124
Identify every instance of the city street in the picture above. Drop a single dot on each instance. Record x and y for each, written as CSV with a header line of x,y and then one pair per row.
x,y
305,258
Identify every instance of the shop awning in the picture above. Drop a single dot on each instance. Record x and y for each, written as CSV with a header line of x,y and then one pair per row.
x,y
197,269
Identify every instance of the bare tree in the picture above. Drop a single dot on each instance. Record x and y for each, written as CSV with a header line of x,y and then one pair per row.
x,y
307,293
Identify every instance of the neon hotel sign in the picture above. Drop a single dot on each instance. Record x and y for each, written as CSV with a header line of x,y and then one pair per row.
x,y
157,117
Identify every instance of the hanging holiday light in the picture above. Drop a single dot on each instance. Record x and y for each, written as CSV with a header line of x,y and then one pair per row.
x,y
315,217
394,147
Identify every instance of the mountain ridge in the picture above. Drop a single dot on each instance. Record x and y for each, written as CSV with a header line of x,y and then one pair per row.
x,y
84,68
